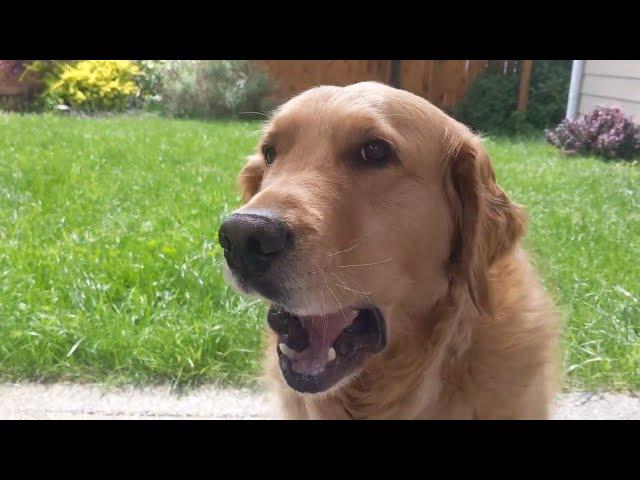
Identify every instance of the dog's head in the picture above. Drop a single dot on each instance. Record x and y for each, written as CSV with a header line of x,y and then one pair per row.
x,y
360,201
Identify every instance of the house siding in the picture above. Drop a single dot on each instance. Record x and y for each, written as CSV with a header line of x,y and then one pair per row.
x,y
611,83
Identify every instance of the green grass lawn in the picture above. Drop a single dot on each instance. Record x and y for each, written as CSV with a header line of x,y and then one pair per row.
x,y
110,268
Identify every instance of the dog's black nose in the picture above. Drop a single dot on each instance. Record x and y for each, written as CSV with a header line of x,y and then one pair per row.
x,y
251,242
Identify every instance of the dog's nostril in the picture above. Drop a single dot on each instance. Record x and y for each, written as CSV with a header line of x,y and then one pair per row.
x,y
254,247
265,244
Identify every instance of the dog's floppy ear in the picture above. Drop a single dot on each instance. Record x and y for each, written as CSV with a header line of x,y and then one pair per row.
x,y
250,177
486,224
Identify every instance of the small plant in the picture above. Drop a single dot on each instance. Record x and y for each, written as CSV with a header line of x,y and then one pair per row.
x,y
94,85
215,88
606,132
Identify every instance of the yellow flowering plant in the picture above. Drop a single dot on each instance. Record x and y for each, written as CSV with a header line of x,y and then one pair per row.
x,y
95,85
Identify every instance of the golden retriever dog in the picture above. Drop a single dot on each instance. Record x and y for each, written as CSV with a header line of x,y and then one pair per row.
x,y
391,259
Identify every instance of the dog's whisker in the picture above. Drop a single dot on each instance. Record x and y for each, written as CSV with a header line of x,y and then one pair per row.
x,y
366,264
366,295
256,113
334,296
324,314
351,289
342,284
356,243
348,249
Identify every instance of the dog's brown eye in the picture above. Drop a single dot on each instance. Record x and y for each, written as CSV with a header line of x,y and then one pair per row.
x,y
375,152
269,154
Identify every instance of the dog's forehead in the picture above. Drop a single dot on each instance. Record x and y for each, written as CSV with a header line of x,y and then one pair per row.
x,y
335,117
328,110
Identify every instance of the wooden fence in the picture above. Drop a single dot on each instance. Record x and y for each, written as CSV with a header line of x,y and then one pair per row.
x,y
442,82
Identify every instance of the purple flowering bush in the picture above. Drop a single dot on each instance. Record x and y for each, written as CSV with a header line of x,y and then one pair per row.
x,y
606,132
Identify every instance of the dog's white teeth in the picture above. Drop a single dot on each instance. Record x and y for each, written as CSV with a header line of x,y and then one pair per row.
x,y
331,354
289,352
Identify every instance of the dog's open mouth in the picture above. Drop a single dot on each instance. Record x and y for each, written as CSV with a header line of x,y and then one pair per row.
x,y
317,351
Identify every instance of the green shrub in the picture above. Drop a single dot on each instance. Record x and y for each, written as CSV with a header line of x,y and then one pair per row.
x,y
213,88
24,103
150,83
548,93
490,104
24,71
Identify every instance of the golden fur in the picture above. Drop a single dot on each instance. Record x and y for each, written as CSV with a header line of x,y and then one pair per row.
x,y
434,242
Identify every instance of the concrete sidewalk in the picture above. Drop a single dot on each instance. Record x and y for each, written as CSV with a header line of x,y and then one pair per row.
x,y
71,401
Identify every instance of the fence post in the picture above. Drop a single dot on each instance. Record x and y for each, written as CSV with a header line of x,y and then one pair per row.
x,y
394,79
525,77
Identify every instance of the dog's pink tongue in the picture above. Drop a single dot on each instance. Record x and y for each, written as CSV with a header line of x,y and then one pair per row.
x,y
323,331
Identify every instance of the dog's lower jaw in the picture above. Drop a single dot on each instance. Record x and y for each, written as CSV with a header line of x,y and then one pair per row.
x,y
414,396
347,400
